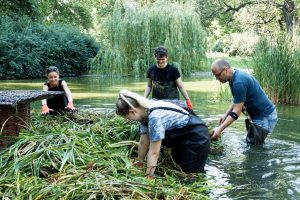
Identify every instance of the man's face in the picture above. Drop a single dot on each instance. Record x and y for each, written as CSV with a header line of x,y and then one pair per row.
x,y
161,61
220,74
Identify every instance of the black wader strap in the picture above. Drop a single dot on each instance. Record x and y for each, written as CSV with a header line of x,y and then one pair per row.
x,y
167,108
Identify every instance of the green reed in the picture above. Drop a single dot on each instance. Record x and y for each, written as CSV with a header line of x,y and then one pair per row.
x,y
88,156
276,66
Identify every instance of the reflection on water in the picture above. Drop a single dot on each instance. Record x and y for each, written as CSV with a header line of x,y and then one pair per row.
x,y
271,171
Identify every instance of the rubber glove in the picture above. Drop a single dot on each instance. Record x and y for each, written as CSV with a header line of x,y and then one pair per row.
x,y
136,163
71,106
45,109
189,104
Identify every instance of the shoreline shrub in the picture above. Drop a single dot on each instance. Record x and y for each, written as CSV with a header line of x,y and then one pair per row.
x,y
27,48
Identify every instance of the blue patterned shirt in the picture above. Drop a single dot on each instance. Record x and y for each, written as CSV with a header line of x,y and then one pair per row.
x,y
161,120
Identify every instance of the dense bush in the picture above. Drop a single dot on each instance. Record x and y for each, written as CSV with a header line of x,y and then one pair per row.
x,y
27,48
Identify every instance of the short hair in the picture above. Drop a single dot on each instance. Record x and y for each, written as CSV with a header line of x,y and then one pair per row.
x,y
52,69
221,64
161,51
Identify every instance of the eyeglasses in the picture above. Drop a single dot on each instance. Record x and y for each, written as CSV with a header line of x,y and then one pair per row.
x,y
219,74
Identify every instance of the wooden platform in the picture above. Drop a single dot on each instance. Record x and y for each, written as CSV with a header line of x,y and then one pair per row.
x,y
15,108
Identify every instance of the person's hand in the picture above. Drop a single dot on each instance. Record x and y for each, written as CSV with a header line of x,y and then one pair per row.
x,y
70,106
216,133
150,176
136,163
189,104
45,109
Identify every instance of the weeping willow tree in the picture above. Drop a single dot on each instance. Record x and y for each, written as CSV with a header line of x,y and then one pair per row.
x,y
133,32
276,65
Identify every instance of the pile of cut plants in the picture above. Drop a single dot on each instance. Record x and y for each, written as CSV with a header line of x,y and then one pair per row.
x,y
88,155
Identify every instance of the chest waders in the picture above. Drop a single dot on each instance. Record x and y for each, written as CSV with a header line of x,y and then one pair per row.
x,y
57,103
165,90
255,134
190,144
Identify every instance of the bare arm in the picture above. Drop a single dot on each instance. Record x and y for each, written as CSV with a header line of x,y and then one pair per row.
x,y
148,88
143,146
226,114
237,108
67,91
181,88
152,157
45,88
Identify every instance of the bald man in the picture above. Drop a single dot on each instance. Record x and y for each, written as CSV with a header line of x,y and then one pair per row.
x,y
247,95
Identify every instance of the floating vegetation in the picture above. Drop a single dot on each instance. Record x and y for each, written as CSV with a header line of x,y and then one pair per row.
x,y
88,156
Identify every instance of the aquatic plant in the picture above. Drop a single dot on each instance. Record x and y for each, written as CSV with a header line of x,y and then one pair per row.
x,y
276,66
88,156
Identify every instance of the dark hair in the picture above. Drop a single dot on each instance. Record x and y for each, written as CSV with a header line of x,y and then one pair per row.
x,y
161,51
122,107
52,69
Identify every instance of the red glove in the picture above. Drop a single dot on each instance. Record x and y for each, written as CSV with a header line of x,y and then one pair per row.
x,y
150,176
45,109
136,163
71,106
189,104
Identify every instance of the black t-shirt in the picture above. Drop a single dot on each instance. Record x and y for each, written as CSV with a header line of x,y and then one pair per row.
x,y
57,103
169,73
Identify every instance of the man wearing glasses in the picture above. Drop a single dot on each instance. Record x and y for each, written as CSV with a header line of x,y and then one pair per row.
x,y
247,96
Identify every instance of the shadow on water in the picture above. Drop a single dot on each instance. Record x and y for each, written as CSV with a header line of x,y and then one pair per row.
x,y
271,171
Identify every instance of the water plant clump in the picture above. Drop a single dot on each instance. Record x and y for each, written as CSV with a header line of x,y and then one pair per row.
x,y
276,67
88,156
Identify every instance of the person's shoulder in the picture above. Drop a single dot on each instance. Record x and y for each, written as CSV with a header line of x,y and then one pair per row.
x,y
152,66
62,82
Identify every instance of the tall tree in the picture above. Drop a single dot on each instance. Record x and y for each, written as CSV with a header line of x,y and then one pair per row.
x,y
283,12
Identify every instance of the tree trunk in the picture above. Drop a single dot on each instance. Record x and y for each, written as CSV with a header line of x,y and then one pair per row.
x,y
288,11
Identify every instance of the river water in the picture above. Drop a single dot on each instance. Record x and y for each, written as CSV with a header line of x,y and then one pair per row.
x,y
270,171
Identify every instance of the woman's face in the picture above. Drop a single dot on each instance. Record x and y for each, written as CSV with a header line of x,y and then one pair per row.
x,y
137,114
53,78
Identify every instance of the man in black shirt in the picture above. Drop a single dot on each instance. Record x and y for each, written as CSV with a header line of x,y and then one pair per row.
x,y
164,79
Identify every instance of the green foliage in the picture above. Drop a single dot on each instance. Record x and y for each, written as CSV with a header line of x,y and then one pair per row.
x,y
27,48
242,44
134,31
261,16
87,156
73,12
18,8
276,65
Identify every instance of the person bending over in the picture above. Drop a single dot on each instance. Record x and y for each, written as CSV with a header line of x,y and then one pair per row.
x,y
164,123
